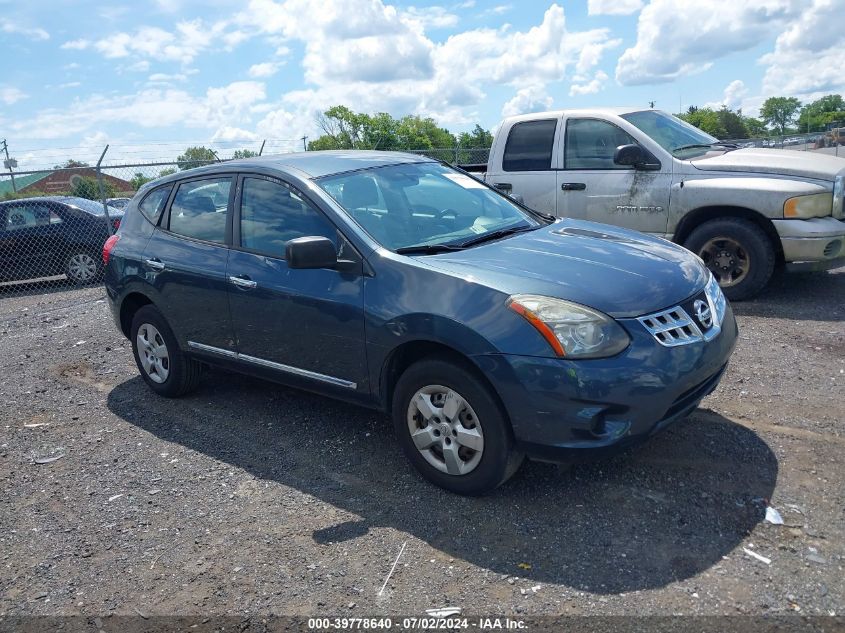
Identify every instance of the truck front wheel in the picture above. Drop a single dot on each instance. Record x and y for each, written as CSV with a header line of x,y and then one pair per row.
x,y
737,252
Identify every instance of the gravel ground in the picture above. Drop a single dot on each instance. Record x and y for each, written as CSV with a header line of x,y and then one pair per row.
x,y
248,498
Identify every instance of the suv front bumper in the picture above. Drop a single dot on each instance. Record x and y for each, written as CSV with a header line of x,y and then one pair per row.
x,y
560,410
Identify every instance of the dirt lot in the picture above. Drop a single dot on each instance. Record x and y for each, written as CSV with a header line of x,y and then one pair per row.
x,y
251,498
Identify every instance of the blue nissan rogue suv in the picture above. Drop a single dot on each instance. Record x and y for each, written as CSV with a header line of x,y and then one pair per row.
x,y
487,331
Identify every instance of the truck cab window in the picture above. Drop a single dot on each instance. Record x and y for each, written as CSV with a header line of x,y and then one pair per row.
x,y
529,146
590,144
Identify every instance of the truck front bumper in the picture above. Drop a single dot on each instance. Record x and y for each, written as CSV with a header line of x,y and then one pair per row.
x,y
815,244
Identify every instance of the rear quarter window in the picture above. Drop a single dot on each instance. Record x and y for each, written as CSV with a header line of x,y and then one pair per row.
x,y
153,203
529,146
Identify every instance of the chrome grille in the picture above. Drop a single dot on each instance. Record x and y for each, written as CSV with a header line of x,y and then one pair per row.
x,y
672,327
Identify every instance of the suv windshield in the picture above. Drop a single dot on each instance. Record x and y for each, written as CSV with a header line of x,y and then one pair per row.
x,y
674,135
425,206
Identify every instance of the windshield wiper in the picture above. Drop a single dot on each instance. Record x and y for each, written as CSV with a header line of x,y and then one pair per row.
x,y
427,249
719,144
494,235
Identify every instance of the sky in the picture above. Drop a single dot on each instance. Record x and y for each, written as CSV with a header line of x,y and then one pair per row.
x,y
150,78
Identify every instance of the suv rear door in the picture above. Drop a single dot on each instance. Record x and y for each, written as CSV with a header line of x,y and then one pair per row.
x,y
304,323
186,258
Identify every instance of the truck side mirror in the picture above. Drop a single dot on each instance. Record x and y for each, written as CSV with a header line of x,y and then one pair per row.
x,y
629,155
311,252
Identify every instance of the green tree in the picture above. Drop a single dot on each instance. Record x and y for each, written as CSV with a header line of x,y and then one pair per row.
x,y
87,187
779,112
167,171
707,120
478,138
756,128
139,180
733,123
195,157
70,163
244,153
815,116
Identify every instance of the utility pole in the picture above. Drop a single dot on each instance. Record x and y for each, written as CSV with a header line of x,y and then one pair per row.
x,y
9,163
651,104
304,146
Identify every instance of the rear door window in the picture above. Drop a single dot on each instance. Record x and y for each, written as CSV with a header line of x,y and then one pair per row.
x,y
529,146
199,209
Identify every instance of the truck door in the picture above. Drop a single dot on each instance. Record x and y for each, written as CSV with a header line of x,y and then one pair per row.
x,y
591,186
527,163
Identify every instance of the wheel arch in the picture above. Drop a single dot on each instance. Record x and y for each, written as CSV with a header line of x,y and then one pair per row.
x,y
406,354
131,303
697,217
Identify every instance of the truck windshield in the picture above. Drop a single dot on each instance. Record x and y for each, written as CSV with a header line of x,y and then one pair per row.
x,y
425,207
672,133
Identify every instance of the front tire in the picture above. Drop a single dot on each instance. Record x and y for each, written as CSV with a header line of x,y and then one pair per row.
x,y
452,428
738,253
163,366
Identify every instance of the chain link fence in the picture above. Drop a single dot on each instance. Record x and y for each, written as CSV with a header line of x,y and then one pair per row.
x,y
831,142
55,221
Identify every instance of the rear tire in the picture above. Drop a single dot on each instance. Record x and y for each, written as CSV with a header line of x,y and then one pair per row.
x,y
163,366
83,267
738,253
462,439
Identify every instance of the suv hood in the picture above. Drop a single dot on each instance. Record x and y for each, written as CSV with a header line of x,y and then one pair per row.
x,y
620,272
775,161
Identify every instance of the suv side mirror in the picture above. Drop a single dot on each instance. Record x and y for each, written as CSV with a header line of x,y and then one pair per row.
x,y
634,156
311,252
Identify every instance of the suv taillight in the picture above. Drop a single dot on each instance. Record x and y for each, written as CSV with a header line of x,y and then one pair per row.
x,y
116,223
108,246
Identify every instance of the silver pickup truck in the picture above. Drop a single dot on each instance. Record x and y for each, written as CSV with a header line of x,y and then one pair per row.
x,y
743,211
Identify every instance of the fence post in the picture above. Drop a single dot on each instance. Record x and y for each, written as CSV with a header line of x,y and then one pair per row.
x,y
103,190
457,153
261,149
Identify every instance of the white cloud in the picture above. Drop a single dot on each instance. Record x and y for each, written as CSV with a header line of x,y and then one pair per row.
x,y
149,108
76,45
734,94
434,17
808,56
592,86
530,99
265,69
675,41
613,7
12,28
71,84
9,95
165,78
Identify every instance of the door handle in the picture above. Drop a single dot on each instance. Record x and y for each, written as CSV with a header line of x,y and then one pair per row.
x,y
573,186
242,282
155,264
503,186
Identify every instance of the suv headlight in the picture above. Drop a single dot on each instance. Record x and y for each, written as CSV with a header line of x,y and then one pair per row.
x,y
717,299
816,205
572,330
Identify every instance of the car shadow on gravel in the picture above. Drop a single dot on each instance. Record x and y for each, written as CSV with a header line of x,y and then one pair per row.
x,y
799,297
658,514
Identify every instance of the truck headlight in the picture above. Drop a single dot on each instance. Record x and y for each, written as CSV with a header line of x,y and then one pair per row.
x,y
816,205
572,330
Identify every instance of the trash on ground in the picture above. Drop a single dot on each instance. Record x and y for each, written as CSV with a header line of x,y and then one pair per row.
x,y
523,565
113,497
443,612
752,554
36,425
773,516
47,460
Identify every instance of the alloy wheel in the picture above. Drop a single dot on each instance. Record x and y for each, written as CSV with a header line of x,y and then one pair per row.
x,y
727,260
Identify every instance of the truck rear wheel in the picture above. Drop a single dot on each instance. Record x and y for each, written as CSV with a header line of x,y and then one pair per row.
x,y
737,252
